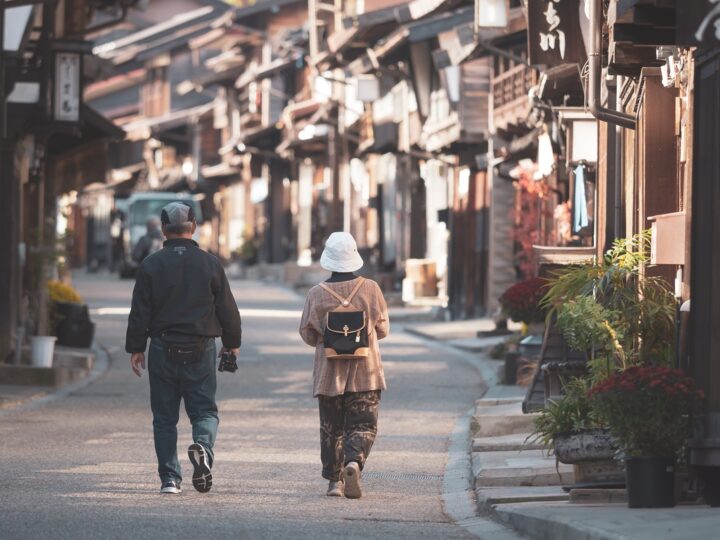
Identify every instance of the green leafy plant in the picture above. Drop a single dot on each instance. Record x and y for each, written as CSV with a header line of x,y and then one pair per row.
x,y
637,311
646,408
572,414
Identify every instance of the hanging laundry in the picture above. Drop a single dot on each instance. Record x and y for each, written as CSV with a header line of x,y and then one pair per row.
x,y
545,157
580,210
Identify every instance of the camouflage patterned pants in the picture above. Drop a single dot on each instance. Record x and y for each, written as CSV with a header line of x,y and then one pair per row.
x,y
348,426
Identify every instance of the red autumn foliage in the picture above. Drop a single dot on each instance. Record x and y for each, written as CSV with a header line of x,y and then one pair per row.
x,y
521,301
646,408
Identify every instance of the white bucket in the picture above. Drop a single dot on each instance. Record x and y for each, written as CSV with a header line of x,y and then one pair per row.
x,y
42,348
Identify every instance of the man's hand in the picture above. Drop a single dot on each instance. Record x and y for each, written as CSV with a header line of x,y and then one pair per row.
x,y
236,352
137,361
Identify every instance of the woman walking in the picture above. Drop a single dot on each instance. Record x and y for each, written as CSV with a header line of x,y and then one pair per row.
x,y
343,319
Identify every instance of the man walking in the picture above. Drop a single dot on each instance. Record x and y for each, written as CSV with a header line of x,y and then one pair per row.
x,y
182,301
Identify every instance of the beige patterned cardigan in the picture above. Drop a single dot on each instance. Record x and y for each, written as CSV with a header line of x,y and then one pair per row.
x,y
335,377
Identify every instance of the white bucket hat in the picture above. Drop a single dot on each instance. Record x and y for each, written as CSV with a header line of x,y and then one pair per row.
x,y
341,254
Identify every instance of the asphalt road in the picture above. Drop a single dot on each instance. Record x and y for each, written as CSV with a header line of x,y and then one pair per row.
x,y
83,466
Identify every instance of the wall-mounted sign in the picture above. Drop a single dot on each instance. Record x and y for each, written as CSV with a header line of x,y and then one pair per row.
x,y
67,87
698,22
554,35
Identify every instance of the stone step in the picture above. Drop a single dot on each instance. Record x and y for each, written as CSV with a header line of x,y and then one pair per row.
x,y
598,496
477,344
504,443
490,496
502,394
504,419
526,468
40,376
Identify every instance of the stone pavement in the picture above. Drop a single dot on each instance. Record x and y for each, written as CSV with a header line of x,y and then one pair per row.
x,y
82,465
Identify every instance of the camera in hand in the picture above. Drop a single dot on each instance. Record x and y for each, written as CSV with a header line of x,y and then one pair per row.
x,y
228,362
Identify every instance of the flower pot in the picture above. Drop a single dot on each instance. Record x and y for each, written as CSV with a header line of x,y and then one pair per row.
x,y
74,327
650,482
42,349
511,366
587,445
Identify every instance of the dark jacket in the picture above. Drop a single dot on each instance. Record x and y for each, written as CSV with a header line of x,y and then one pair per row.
x,y
182,289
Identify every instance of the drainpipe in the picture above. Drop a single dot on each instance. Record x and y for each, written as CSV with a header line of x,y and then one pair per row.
x,y
594,63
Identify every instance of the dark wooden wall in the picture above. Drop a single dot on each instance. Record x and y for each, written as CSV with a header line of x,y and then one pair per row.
x,y
705,255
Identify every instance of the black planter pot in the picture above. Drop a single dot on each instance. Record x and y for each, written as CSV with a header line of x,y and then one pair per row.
x,y
650,482
74,327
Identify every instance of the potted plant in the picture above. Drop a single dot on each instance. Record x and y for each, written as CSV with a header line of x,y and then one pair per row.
x,y
646,409
570,430
521,303
70,318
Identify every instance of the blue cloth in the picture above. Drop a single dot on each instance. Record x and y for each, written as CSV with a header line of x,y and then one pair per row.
x,y
193,382
580,212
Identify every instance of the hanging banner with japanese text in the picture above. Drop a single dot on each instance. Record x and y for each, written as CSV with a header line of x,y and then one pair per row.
x,y
554,35
698,22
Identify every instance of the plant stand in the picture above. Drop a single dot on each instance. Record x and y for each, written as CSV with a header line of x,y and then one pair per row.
x,y
555,374
591,452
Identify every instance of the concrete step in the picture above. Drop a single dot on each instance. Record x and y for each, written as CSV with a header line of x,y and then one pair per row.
x,y
69,357
477,344
505,419
446,331
526,468
502,394
487,497
39,376
504,443
598,496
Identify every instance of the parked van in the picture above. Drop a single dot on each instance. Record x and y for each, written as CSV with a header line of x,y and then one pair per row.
x,y
137,209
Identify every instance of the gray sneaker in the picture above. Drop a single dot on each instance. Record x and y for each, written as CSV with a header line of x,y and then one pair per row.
x,y
170,486
336,489
353,485
202,477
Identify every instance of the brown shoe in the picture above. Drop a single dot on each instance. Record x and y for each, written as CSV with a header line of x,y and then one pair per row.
x,y
353,484
336,489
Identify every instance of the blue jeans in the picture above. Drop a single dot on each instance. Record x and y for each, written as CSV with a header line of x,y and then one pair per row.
x,y
193,382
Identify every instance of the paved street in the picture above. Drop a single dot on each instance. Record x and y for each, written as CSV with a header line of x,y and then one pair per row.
x,y
84,467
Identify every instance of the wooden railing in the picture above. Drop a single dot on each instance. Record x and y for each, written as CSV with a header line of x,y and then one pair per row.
x,y
510,95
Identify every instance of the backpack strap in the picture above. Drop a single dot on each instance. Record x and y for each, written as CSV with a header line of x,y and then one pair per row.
x,y
344,301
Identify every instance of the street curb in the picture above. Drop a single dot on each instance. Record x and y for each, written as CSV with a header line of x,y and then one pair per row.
x,y
458,490
458,495
100,367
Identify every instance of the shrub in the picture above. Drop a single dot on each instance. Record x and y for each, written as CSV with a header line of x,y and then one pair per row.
x,y
521,302
62,292
647,408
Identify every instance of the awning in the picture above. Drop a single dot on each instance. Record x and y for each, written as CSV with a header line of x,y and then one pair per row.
x,y
267,69
158,38
144,128
411,33
463,44
227,36
219,171
560,81
200,82
80,157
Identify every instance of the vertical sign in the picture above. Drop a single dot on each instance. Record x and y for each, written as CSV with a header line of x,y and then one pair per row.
x,y
554,35
698,22
67,87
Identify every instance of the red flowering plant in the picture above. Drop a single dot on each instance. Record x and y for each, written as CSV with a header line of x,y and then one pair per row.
x,y
521,302
646,408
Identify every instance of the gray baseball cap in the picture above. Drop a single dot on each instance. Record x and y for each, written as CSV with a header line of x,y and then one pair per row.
x,y
177,213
